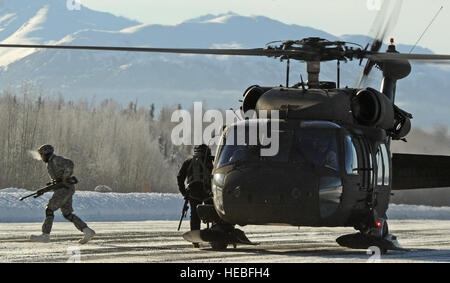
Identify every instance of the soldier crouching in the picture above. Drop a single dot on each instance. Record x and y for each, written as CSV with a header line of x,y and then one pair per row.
x,y
60,169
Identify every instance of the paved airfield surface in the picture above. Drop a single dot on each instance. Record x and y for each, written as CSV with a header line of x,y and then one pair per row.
x,y
158,241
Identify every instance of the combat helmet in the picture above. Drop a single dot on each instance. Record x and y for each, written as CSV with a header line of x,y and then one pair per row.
x,y
46,151
201,150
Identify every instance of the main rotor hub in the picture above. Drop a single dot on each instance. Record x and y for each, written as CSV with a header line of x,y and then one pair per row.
x,y
313,49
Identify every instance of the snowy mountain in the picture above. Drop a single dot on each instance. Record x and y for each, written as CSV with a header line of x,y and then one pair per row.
x,y
47,21
169,78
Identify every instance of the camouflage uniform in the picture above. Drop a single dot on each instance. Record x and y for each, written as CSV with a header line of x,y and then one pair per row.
x,y
60,168
197,171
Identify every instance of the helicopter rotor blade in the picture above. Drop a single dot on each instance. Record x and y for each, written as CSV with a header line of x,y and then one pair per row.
x,y
238,52
431,62
387,26
425,59
403,56
384,23
377,58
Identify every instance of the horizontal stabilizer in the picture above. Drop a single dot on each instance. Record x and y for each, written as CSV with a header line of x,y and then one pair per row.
x,y
415,171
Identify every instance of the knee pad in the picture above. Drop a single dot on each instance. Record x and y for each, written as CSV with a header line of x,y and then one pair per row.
x,y
49,213
68,216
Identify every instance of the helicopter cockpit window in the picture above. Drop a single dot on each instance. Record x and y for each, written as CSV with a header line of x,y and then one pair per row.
x,y
319,125
351,157
285,144
232,152
318,147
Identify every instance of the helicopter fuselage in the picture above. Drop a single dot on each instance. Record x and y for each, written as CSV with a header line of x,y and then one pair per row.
x,y
327,172
300,188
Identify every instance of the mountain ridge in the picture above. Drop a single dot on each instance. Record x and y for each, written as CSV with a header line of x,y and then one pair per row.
x,y
170,79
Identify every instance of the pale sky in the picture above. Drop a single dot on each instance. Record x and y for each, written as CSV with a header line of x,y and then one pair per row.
x,y
333,16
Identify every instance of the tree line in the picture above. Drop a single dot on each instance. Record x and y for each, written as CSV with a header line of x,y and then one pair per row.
x,y
126,148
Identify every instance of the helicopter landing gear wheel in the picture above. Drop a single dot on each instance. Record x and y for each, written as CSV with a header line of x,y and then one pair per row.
x,y
384,251
378,233
371,238
385,229
219,246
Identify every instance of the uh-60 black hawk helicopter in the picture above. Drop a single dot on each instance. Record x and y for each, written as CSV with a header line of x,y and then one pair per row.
x,y
334,167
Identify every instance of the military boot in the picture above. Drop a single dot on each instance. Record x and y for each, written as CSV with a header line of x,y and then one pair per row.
x,y
88,235
44,238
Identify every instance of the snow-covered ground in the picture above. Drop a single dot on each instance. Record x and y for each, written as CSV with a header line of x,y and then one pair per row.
x,y
160,242
134,228
111,207
93,206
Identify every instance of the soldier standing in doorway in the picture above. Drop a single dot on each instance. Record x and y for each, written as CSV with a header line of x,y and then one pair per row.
x,y
60,169
197,172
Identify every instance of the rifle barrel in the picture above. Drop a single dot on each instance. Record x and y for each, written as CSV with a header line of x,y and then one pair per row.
x,y
22,198
183,213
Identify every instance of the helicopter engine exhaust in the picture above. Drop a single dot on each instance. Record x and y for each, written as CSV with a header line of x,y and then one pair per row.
x,y
374,109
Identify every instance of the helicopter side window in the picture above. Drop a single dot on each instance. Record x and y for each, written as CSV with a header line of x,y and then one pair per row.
x,y
318,147
370,173
386,164
351,157
380,165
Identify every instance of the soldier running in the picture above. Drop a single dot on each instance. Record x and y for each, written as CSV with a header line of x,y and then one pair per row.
x,y
197,170
60,169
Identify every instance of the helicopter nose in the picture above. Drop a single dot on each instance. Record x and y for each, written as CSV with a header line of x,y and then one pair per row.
x,y
270,195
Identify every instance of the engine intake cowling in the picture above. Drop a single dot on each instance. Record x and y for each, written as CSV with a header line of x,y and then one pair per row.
x,y
251,96
372,108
